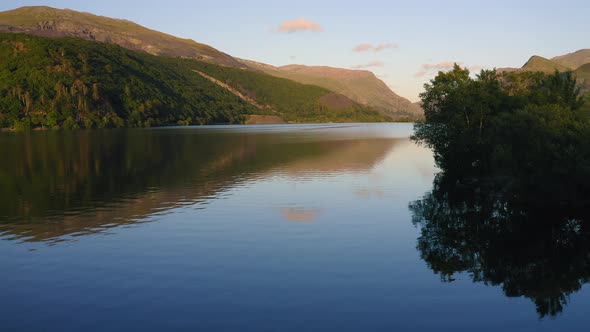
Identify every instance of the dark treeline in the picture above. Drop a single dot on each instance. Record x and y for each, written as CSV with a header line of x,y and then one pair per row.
x,y
511,205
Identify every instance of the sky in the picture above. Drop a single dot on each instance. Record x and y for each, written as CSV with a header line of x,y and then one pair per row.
x,y
404,43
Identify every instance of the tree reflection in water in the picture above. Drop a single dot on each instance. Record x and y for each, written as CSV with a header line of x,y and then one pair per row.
x,y
531,246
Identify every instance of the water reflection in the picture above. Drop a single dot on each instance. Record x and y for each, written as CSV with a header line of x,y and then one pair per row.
x,y
531,247
60,185
306,216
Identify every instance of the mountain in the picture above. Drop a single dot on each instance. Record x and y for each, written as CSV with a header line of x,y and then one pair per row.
x,y
186,168
540,64
359,85
70,82
574,60
52,22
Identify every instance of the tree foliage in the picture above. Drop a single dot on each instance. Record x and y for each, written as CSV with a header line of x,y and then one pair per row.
x,y
519,126
71,83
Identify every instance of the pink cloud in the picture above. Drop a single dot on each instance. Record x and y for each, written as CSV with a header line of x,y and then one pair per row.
x,y
442,66
300,24
375,48
369,65
363,48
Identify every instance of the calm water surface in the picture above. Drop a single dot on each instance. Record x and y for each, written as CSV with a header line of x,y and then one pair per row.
x,y
262,228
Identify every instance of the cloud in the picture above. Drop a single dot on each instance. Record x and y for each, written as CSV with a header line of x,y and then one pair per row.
x,y
476,68
375,48
300,24
371,64
428,68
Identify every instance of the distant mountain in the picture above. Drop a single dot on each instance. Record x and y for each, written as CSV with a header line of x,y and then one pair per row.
x,y
539,64
52,22
359,85
573,60
577,62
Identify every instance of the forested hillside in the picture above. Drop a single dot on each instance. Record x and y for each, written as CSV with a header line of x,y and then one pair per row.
x,y
71,83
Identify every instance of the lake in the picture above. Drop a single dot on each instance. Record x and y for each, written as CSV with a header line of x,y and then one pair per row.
x,y
258,228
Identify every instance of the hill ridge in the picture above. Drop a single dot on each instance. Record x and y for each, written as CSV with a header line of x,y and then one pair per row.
x,y
574,60
53,22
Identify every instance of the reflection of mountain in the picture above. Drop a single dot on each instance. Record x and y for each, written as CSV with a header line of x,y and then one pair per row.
x,y
339,156
75,183
539,251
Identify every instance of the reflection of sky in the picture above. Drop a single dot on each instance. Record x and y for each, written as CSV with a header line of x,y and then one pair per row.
x,y
374,198
236,262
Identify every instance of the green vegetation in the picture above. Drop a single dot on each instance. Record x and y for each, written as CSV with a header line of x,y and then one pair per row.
x,y
73,83
521,127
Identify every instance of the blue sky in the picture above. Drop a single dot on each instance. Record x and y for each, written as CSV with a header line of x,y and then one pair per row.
x,y
417,37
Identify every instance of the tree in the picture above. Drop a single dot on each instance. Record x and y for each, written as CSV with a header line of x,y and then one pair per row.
x,y
479,125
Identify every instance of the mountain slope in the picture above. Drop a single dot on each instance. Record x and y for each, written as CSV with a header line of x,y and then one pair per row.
x,y
52,22
583,76
573,60
70,82
296,102
540,64
358,85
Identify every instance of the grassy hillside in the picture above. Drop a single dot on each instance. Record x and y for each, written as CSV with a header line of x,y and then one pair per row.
x,y
583,76
70,82
540,64
583,72
294,101
52,22
574,60
358,85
